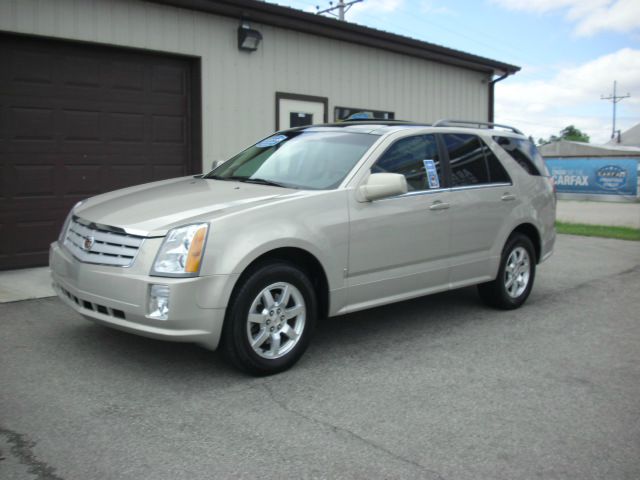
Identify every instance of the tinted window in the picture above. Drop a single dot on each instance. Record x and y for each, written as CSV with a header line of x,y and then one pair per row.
x,y
525,153
467,159
497,173
413,157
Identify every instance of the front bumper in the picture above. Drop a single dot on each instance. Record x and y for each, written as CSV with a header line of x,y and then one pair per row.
x,y
118,297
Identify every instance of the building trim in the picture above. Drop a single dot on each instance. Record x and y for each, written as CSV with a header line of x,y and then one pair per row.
x,y
292,19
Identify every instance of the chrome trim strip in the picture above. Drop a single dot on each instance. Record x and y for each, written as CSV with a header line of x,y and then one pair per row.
x,y
481,185
416,193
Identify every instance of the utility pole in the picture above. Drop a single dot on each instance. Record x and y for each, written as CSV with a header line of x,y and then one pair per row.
x,y
615,98
342,8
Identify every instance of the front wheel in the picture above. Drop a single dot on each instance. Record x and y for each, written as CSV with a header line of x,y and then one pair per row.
x,y
270,319
515,277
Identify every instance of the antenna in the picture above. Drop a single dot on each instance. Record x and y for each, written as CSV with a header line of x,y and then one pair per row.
x,y
615,98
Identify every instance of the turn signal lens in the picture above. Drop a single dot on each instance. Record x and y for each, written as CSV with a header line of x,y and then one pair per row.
x,y
194,256
180,254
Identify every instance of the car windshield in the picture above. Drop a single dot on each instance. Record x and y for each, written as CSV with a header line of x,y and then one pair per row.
x,y
303,160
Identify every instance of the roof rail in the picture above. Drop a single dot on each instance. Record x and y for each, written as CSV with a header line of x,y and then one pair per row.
x,y
448,123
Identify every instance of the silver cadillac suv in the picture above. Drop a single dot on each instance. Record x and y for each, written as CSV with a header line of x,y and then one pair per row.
x,y
311,222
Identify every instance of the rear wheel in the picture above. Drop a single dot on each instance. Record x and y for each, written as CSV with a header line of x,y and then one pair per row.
x,y
270,319
515,277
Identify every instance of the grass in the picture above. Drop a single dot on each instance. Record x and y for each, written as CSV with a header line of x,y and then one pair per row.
x,y
621,233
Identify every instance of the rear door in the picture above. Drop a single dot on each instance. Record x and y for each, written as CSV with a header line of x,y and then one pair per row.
x,y
399,246
482,198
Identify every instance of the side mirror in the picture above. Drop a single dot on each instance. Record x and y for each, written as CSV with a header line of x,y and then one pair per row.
x,y
382,185
216,163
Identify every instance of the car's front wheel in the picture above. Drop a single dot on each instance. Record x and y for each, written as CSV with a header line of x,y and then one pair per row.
x,y
270,319
515,277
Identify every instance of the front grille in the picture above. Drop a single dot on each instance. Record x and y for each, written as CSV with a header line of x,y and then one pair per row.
x,y
90,243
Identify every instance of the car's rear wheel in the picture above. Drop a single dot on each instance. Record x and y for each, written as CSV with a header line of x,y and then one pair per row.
x,y
515,277
270,319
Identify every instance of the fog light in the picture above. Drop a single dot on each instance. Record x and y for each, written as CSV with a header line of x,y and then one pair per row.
x,y
159,302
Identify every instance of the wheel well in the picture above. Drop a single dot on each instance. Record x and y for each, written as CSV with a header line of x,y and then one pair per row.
x,y
532,232
301,259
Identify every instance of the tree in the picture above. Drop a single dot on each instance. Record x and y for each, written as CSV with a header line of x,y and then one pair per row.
x,y
570,133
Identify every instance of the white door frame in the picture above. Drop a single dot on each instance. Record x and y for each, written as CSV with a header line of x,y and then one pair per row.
x,y
305,98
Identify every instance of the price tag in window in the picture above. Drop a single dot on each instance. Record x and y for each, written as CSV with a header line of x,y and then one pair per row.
x,y
432,173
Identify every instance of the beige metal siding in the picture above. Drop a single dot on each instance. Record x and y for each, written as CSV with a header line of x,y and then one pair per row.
x,y
238,88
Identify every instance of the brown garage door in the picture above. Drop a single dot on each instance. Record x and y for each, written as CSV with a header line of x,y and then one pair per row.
x,y
77,120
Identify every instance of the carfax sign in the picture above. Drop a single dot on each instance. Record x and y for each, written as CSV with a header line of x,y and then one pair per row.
x,y
601,176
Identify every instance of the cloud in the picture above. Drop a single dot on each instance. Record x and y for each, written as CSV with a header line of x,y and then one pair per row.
x,y
572,96
590,16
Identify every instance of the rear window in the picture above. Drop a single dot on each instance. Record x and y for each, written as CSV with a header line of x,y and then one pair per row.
x,y
525,153
472,161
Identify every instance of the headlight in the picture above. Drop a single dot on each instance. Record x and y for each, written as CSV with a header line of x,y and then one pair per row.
x,y
181,252
65,226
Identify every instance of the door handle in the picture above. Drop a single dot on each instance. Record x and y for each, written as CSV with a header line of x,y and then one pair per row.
x,y
507,197
438,205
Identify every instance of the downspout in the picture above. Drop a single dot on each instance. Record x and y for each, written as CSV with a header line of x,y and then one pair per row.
x,y
492,95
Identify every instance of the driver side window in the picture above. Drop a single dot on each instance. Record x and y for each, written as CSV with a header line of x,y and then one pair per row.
x,y
414,157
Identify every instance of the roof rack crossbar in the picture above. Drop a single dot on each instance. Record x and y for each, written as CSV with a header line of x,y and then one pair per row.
x,y
446,123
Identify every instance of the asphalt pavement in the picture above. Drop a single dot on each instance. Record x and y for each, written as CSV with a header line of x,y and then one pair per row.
x,y
439,387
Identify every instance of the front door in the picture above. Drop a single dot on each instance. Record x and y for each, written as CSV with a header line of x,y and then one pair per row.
x,y
399,246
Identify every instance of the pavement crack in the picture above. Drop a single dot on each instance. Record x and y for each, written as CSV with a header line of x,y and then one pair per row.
x,y
434,475
22,449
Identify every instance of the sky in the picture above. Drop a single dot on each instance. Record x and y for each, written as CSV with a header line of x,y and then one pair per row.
x,y
570,51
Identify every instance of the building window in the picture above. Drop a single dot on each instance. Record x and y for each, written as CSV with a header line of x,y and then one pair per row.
x,y
342,113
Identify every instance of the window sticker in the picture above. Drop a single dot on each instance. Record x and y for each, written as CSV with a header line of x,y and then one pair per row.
x,y
271,141
432,173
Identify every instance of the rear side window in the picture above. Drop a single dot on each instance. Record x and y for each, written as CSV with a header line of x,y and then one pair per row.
x,y
472,161
525,153
414,157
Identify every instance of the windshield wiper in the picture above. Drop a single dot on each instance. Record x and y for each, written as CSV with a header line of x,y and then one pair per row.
x,y
238,178
263,181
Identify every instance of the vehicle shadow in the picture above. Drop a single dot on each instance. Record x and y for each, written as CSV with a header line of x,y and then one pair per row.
x,y
376,329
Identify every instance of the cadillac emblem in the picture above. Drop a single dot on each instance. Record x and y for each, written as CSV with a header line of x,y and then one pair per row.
x,y
88,243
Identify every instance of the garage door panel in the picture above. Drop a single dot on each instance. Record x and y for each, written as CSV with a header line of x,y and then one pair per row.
x,y
83,180
127,77
81,125
35,236
31,124
33,181
77,120
126,127
122,176
29,67
163,172
79,71
167,79
168,129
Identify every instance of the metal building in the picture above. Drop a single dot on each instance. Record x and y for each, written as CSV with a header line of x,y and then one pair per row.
x,y
97,95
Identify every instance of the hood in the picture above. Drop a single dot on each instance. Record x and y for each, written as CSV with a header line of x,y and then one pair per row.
x,y
154,208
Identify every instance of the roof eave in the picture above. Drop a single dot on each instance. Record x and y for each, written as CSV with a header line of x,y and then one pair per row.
x,y
292,19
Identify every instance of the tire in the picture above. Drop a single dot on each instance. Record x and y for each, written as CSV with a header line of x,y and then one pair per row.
x,y
516,274
264,334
